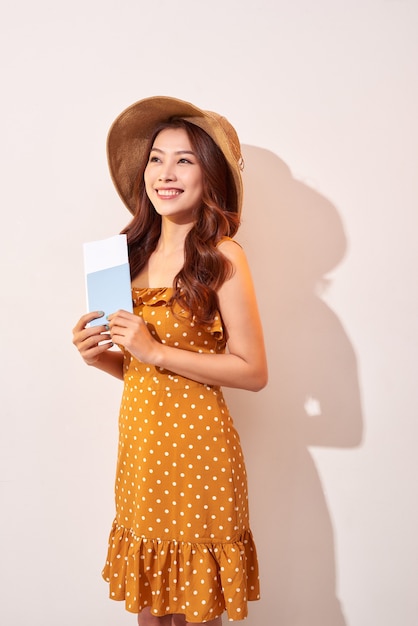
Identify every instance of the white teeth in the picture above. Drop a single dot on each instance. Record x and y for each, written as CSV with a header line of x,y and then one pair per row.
x,y
168,192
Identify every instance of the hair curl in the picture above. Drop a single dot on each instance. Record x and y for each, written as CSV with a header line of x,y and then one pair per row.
x,y
205,267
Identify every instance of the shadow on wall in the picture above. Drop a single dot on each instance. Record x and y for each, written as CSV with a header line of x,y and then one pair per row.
x,y
293,237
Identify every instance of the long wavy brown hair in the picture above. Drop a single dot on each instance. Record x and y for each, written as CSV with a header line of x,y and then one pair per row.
x,y
205,267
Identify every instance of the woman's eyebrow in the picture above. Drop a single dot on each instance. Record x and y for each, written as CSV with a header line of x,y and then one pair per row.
x,y
176,152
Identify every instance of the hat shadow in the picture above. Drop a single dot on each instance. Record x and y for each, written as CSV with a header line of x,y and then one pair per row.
x,y
294,237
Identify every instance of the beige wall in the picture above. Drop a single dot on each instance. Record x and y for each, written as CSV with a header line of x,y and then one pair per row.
x,y
324,97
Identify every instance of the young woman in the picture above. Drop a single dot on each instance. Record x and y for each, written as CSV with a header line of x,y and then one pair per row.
x,y
180,549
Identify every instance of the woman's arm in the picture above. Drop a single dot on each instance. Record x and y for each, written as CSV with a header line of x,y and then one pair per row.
x,y
243,366
89,343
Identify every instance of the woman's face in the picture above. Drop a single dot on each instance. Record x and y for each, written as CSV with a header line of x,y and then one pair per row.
x,y
173,176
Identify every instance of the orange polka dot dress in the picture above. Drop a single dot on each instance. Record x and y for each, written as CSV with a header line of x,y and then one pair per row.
x,y
181,541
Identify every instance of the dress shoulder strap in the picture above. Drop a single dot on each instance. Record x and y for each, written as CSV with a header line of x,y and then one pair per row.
x,y
222,239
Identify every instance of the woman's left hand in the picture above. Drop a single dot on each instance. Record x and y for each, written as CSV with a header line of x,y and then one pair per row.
x,y
131,332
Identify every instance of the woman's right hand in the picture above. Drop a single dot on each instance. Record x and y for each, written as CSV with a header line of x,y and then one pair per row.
x,y
89,340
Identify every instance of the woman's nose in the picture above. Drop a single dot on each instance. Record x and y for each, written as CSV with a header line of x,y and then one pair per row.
x,y
167,174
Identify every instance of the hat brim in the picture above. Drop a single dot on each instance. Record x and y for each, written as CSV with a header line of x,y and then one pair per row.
x,y
129,135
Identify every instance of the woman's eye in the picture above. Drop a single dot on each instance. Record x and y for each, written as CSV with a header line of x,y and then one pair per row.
x,y
184,161
153,159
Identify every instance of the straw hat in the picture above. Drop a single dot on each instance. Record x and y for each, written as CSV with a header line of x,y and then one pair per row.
x,y
128,138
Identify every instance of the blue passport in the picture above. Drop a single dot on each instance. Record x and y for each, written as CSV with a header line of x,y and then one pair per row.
x,y
107,276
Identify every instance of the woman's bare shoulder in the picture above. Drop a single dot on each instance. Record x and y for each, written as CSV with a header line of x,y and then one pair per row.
x,y
231,249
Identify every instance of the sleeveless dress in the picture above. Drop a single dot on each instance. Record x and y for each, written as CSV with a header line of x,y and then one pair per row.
x,y
181,541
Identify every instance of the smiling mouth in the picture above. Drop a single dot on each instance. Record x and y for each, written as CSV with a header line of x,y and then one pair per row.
x,y
169,193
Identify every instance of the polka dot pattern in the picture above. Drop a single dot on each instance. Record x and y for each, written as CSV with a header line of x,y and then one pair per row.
x,y
181,541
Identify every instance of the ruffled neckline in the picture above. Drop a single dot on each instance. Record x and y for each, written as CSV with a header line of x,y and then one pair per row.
x,y
161,296
153,289
151,295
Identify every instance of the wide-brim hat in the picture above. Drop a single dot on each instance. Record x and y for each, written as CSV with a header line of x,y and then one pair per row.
x,y
129,136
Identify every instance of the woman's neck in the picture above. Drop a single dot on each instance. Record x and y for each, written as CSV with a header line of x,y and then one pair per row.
x,y
172,237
